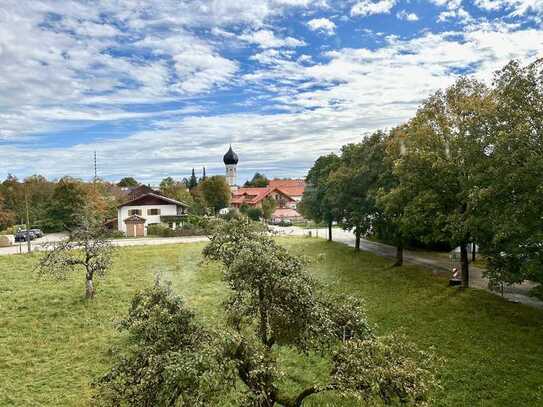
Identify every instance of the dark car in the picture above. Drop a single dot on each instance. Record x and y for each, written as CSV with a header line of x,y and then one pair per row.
x,y
21,235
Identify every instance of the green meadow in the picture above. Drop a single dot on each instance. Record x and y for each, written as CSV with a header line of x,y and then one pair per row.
x,y
53,343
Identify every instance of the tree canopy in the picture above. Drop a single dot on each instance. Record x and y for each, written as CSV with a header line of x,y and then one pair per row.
x,y
216,192
259,180
129,182
466,168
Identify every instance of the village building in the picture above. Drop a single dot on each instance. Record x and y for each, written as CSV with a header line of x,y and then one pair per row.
x,y
149,208
144,206
286,193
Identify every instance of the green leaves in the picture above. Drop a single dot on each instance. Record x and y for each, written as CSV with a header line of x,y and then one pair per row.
x,y
171,360
389,369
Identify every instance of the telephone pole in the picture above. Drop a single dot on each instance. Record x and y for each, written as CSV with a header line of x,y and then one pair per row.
x,y
27,222
95,167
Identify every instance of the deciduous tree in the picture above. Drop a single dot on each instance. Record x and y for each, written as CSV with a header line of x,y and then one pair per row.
x,y
67,204
268,206
7,217
318,203
354,185
172,360
275,303
216,192
510,196
258,181
129,182
87,250
176,190
439,173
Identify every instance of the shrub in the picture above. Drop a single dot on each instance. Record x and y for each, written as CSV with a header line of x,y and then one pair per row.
x,y
254,214
160,231
114,234
187,229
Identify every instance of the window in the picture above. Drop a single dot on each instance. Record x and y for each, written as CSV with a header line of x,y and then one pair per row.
x,y
153,211
134,212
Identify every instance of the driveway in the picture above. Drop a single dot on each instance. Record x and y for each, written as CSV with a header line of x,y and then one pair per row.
x,y
437,262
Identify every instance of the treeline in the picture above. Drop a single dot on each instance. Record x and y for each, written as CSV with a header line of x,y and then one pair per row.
x,y
54,205
467,168
57,205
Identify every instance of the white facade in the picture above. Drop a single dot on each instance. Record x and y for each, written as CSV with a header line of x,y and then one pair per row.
x,y
231,174
144,211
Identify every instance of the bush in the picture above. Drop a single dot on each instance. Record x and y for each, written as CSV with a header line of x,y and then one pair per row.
x,y
160,231
114,234
188,229
254,213
233,213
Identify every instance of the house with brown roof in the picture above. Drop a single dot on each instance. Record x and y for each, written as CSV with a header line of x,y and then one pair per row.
x,y
255,196
135,215
286,194
292,187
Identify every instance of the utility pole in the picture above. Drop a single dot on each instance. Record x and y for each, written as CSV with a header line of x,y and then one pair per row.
x,y
95,168
27,222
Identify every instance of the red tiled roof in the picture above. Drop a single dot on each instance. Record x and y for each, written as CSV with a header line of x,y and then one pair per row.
x,y
292,187
252,196
287,183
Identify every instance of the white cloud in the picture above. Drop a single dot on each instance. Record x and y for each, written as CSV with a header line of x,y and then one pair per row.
x,y
322,24
455,14
267,39
517,7
449,4
100,60
368,7
404,15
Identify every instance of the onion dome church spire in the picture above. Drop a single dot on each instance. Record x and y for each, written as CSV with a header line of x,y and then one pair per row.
x,y
230,160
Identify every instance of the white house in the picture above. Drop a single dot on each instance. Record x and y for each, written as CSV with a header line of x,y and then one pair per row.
x,y
133,217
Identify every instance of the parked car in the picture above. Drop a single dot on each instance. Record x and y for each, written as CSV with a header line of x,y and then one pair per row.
x,y
21,236
37,232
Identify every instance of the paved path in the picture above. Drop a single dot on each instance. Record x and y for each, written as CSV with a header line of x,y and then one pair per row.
x,y
39,244
438,262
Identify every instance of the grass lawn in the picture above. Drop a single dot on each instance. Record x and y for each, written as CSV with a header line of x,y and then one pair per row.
x,y
53,342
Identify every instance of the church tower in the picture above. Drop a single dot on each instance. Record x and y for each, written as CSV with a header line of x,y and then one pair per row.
x,y
231,161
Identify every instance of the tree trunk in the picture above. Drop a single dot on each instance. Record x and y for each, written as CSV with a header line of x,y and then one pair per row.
x,y
473,252
89,289
330,231
399,255
464,264
357,241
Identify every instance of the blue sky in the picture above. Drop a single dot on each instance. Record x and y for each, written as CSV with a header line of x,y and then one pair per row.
x,y
157,87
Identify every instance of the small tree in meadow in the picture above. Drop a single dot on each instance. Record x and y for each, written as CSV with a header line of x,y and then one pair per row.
x,y
86,250
172,359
